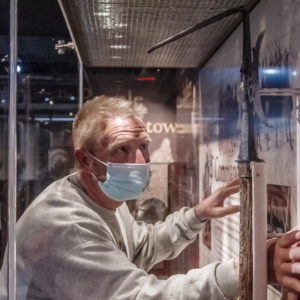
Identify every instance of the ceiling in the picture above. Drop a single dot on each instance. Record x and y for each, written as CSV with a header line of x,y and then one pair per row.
x,y
45,75
40,25
118,33
110,35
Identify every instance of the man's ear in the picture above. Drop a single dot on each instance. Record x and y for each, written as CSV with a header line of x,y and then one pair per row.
x,y
84,161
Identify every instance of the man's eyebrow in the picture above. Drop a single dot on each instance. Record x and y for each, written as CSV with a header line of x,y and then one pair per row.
x,y
120,142
115,144
147,139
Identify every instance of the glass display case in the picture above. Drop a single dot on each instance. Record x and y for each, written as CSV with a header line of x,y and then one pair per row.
x,y
193,118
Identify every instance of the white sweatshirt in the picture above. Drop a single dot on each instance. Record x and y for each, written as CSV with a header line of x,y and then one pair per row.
x,y
69,247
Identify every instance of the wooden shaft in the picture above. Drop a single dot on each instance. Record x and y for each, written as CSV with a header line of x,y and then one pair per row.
x,y
246,257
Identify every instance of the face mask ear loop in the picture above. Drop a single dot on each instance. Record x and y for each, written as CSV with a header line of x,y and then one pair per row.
x,y
98,160
95,158
94,176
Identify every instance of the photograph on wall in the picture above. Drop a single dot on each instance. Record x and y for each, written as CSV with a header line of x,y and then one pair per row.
x,y
276,144
228,119
279,208
276,97
278,211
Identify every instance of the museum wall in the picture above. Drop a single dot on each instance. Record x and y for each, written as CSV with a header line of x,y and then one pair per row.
x,y
279,71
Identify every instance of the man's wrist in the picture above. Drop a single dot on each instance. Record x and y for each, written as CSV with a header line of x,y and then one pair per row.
x,y
200,217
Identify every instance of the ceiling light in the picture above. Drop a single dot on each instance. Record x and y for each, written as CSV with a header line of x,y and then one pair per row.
x,y
54,119
101,14
120,25
146,78
6,63
118,36
119,46
271,71
71,114
116,57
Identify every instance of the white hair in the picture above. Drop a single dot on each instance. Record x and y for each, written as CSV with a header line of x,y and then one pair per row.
x,y
91,120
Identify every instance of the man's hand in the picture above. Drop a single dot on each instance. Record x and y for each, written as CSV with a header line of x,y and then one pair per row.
x,y
284,262
212,206
289,295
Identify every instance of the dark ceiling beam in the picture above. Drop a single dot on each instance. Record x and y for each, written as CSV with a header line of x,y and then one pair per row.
x,y
203,61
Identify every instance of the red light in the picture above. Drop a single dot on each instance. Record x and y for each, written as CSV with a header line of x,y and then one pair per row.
x,y
146,78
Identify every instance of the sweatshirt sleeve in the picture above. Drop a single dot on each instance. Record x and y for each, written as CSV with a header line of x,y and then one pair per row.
x,y
97,269
94,271
164,240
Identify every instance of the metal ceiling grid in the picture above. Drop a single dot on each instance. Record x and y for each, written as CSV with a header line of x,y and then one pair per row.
x,y
118,33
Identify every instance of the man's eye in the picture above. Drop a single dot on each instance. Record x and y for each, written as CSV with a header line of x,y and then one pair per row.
x,y
123,149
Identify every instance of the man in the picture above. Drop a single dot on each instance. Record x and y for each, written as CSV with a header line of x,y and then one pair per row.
x,y
77,239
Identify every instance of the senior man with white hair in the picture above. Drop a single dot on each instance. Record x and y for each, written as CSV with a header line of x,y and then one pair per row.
x,y
77,240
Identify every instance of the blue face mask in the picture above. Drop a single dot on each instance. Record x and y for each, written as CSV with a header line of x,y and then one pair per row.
x,y
124,181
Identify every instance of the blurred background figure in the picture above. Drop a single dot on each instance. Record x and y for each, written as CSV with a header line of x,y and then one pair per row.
x,y
58,166
151,211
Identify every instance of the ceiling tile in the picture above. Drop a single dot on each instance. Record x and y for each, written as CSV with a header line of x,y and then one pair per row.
x,y
118,33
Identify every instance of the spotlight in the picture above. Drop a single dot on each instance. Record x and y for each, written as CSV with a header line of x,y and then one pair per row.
x,y
271,71
5,63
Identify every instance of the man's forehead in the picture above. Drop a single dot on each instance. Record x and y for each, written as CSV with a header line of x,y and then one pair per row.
x,y
121,129
124,124
125,121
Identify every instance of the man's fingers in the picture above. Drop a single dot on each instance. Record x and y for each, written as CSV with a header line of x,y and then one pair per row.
x,y
292,296
231,190
290,268
289,254
287,294
294,253
291,283
288,239
232,182
218,212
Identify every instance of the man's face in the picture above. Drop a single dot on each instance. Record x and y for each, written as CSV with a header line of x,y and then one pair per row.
x,y
125,141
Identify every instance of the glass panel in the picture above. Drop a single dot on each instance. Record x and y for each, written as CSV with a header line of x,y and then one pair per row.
x,y
192,118
4,105
276,144
171,97
47,102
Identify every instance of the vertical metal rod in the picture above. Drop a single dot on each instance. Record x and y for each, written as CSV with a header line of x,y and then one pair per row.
x,y
298,156
80,96
60,2
12,155
80,84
